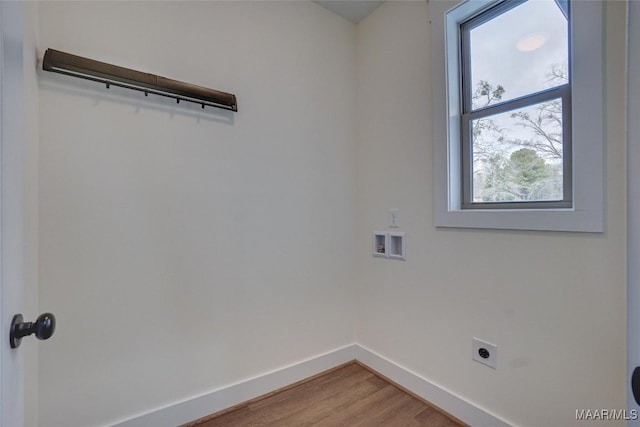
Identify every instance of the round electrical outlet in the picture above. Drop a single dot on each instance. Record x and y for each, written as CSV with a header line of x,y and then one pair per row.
x,y
484,353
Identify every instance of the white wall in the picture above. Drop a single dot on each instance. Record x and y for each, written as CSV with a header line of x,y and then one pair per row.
x,y
182,250
554,303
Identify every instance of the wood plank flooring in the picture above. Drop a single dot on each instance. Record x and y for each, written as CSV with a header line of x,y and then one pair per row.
x,y
350,395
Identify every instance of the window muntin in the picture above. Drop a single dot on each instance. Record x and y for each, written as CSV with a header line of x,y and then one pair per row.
x,y
516,98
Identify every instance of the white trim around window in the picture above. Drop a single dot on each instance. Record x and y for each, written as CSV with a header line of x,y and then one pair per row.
x,y
586,215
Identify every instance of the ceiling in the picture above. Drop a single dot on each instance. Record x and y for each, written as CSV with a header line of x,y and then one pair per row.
x,y
353,10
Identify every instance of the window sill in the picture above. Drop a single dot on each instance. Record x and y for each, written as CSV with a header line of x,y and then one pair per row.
x,y
522,219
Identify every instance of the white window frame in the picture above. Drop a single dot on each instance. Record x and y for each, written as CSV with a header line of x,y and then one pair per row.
x,y
587,76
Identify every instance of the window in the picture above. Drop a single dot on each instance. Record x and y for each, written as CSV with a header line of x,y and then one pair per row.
x,y
518,111
516,96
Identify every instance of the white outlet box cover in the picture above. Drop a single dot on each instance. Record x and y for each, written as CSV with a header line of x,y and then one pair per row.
x,y
394,221
491,358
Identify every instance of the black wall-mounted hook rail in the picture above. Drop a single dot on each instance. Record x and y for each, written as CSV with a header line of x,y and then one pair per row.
x,y
89,69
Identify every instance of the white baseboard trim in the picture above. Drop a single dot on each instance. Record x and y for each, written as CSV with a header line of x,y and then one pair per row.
x,y
217,400
429,391
206,404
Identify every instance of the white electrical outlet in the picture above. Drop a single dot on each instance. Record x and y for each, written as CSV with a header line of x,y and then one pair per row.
x,y
484,352
394,221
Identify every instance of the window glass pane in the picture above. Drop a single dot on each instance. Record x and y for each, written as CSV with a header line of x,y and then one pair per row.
x,y
517,155
518,52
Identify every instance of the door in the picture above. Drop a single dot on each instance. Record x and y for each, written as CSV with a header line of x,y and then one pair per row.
x,y
12,170
633,215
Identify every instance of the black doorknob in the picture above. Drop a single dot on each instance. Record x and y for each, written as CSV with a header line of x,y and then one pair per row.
x,y
43,328
635,384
